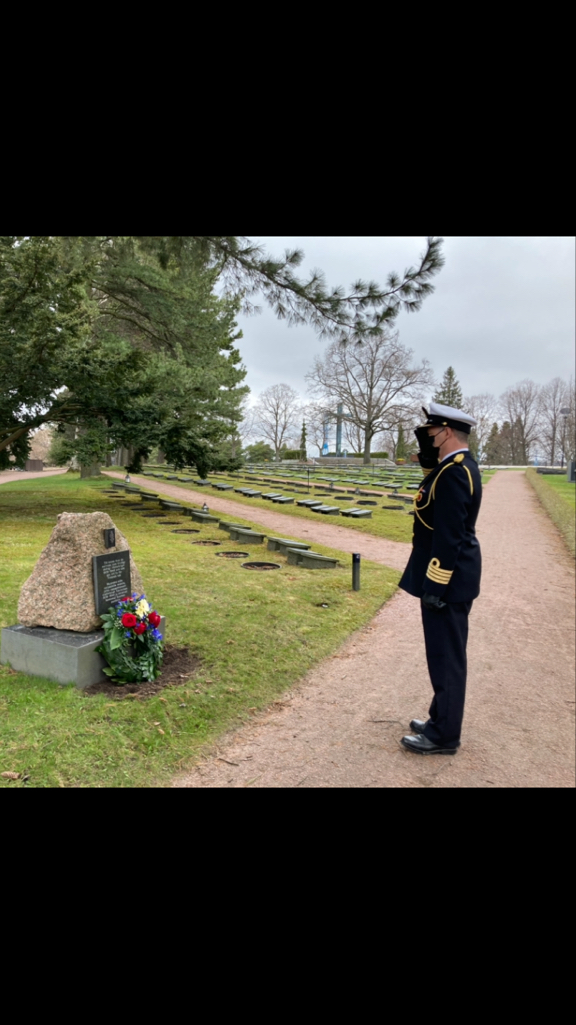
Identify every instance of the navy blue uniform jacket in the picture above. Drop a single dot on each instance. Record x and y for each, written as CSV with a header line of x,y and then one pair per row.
x,y
445,558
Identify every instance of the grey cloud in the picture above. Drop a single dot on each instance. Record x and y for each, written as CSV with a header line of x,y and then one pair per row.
x,y
502,311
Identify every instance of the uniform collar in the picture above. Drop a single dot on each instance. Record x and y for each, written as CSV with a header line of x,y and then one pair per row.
x,y
455,453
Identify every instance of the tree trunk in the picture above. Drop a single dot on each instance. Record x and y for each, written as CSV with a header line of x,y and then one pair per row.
x,y
13,437
125,456
91,470
367,443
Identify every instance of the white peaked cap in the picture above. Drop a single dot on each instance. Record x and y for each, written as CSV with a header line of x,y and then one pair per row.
x,y
439,415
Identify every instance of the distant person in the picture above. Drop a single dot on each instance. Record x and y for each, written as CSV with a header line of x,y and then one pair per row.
x,y
444,570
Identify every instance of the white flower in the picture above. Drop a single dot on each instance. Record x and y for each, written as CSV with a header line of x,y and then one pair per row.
x,y
142,609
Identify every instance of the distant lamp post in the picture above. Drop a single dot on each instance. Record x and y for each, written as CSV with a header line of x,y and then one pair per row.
x,y
564,413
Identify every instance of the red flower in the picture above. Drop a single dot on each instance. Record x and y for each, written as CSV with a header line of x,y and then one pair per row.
x,y
154,618
140,629
128,620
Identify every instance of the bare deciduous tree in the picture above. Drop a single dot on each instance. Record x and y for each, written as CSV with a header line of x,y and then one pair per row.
x,y
247,429
353,436
376,383
554,396
520,406
41,442
484,409
314,413
404,431
278,415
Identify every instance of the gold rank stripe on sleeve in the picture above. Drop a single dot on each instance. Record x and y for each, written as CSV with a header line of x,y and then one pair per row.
x,y
439,576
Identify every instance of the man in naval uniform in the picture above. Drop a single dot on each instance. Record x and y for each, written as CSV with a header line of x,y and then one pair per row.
x,y
444,570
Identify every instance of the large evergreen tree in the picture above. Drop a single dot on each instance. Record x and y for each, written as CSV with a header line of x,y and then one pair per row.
x,y
492,451
450,393
123,338
134,354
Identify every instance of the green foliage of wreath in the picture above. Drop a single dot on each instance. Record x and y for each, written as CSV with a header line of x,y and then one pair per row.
x,y
131,657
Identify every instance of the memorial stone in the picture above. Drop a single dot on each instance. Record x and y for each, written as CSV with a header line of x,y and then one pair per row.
x,y
60,591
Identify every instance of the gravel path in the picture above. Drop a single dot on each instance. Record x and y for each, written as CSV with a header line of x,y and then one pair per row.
x,y
10,475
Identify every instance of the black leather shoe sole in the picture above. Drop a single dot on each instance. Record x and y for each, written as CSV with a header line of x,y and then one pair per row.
x,y
426,748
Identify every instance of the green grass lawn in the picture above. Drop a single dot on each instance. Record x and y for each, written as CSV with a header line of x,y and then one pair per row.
x,y
256,635
389,524
487,476
558,497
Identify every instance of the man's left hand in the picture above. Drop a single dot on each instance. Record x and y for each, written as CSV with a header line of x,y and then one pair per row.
x,y
432,602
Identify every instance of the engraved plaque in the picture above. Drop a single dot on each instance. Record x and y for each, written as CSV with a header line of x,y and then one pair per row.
x,y
111,579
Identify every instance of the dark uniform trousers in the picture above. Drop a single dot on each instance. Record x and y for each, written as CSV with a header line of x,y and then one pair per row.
x,y
446,563
445,637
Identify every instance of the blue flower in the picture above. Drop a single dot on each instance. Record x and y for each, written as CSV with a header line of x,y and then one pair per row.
x,y
156,634
128,633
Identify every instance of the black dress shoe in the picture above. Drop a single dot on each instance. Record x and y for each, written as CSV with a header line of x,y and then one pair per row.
x,y
422,746
417,726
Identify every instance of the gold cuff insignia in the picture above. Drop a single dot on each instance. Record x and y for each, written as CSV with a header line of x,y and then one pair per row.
x,y
439,576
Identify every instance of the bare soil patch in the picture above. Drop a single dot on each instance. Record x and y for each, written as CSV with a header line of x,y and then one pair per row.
x,y
178,666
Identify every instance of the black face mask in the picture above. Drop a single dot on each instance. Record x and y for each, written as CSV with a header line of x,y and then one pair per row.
x,y
433,439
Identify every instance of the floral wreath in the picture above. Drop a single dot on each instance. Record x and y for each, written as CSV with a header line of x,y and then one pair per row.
x,y
132,643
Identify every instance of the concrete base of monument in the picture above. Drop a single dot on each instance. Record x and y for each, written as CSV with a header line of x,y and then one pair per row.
x,y
60,655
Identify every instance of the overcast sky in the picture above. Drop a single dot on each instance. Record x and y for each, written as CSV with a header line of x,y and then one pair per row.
x,y
502,309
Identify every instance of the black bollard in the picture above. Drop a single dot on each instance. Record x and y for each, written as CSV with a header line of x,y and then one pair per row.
x,y
356,571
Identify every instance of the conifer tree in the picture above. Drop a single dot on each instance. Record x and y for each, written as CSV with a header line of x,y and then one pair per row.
x,y
450,392
303,439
